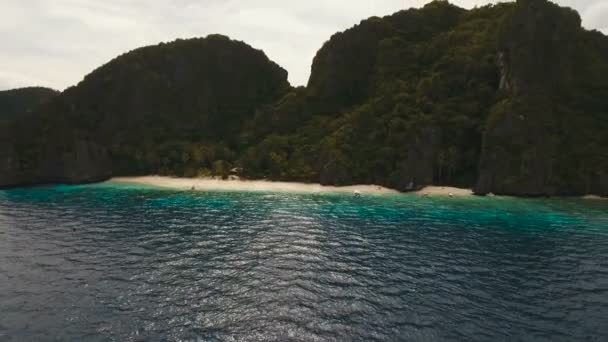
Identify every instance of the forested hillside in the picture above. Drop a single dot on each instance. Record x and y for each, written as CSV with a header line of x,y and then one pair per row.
x,y
156,109
22,101
509,98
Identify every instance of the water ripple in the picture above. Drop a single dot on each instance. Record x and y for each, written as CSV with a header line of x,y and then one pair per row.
x,y
116,263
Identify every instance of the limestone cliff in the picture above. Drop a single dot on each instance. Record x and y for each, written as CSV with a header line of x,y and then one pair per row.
x,y
22,101
129,115
538,138
510,98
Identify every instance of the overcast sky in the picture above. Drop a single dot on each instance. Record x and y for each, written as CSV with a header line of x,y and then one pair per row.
x,y
54,43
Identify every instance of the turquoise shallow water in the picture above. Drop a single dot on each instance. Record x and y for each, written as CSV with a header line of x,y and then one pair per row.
x,y
113,262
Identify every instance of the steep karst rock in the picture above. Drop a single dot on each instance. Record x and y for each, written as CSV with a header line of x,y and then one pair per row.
x,y
22,101
510,98
133,114
549,134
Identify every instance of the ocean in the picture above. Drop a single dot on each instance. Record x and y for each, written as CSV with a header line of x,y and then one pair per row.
x,y
112,262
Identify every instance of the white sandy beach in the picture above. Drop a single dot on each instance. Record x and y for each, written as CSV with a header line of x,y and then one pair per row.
x,y
210,184
444,191
594,197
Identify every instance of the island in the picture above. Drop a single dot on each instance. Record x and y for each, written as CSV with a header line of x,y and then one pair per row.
x,y
509,99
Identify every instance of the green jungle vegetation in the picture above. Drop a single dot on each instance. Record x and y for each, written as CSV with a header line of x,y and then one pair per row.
x,y
509,98
20,102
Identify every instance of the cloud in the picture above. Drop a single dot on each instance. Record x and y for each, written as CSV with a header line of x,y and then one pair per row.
x,y
55,43
596,16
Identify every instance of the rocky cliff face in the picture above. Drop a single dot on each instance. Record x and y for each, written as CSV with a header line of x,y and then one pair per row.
x,y
510,98
519,150
540,118
418,168
345,70
342,69
537,47
130,114
29,160
17,102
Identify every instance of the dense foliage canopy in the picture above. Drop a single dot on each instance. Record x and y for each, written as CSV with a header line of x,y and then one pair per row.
x,y
510,98
19,102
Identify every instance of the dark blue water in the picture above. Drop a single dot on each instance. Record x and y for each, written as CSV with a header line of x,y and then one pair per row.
x,y
117,263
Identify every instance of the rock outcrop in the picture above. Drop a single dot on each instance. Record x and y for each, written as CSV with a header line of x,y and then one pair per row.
x,y
23,101
532,135
418,168
120,116
509,99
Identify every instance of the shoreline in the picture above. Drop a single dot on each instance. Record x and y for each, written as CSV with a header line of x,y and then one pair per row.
x,y
211,184
237,185
444,191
